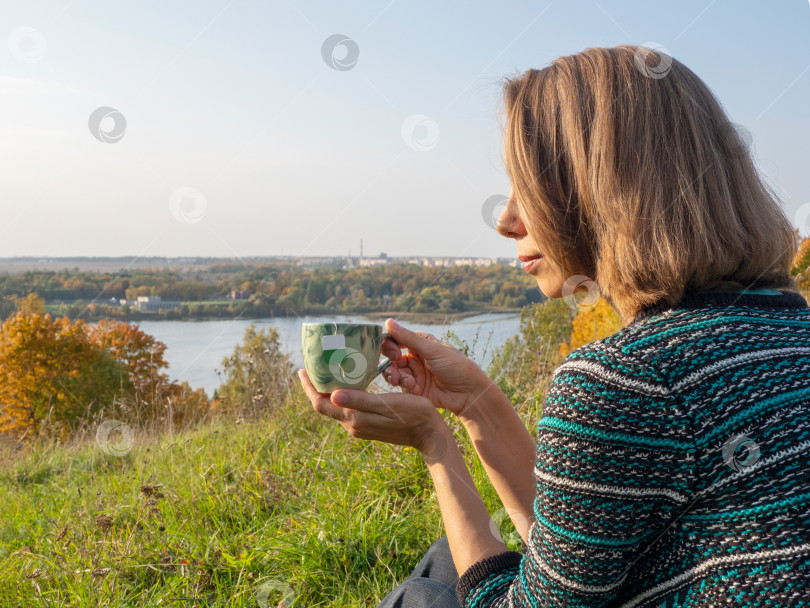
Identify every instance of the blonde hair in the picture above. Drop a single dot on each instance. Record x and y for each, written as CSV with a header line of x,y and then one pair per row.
x,y
627,170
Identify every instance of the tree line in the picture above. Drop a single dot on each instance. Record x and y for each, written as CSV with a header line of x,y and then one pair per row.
x,y
62,373
59,372
275,290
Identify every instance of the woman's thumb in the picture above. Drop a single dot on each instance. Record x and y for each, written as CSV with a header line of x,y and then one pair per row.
x,y
407,338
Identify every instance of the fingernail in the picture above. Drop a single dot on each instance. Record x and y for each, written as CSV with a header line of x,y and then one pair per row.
x,y
340,398
395,325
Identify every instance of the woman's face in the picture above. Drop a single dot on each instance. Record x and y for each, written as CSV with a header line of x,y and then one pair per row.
x,y
548,275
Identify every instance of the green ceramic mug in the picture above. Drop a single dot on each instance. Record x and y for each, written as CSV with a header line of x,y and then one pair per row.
x,y
343,355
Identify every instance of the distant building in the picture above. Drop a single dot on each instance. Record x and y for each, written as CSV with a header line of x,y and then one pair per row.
x,y
154,303
372,261
240,294
419,261
319,262
429,262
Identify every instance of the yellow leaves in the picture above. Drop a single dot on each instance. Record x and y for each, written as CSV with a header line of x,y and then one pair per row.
x,y
801,264
140,353
591,324
31,304
68,370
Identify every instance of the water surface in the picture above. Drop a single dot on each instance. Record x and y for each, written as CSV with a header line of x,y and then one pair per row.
x,y
195,349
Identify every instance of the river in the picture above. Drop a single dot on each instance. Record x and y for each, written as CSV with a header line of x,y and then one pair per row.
x,y
195,349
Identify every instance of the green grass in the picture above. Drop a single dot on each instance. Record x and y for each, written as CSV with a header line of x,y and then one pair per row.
x,y
247,510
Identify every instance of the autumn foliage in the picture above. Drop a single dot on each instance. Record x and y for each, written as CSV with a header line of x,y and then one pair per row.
x,y
67,371
601,320
591,323
801,265
139,353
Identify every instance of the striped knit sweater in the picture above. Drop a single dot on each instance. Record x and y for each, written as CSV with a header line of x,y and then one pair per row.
x,y
673,465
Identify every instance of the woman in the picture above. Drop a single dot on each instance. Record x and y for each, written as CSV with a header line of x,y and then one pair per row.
x,y
671,462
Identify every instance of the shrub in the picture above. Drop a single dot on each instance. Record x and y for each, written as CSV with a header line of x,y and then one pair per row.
x,y
258,376
68,372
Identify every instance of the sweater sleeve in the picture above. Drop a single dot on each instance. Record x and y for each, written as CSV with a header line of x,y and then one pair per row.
x,y
614,467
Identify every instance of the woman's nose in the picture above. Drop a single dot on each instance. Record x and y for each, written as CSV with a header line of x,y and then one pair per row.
x,y
509,223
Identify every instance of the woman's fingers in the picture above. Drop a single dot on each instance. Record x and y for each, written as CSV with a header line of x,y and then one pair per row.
x,y
390,417
391,375
417,341
391,350
394,371
401,377
321,402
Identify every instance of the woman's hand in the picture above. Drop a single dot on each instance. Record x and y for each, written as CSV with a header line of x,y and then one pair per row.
x,y
390,417
433,369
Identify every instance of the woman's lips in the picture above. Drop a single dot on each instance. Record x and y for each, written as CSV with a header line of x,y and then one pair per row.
x,y
530,263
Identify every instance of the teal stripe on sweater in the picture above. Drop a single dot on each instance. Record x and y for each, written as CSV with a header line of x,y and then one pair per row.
x,y
587,538
711,322
802,499
721,320
554,423
765,404
599,446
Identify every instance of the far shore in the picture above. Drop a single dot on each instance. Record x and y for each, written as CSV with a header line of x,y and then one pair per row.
x,y
421,318
435,318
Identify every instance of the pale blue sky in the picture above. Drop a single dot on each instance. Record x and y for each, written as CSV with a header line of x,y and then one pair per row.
x,y
232,99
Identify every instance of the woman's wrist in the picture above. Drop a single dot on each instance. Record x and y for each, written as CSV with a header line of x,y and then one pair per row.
x,y
464,513
435,439
486,391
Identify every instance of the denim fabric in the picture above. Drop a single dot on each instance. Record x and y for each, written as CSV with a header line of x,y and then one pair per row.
x,y
432,584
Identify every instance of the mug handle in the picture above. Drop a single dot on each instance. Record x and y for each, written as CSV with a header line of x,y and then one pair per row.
x,y
384,365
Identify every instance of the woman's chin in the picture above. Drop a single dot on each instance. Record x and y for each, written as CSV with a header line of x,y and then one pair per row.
x,y
550,289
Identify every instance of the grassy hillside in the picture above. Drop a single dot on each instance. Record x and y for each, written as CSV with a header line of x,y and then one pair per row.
x,y
251,514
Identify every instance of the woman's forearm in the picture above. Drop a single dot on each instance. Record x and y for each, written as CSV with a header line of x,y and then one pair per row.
x,y
465,516
506,450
